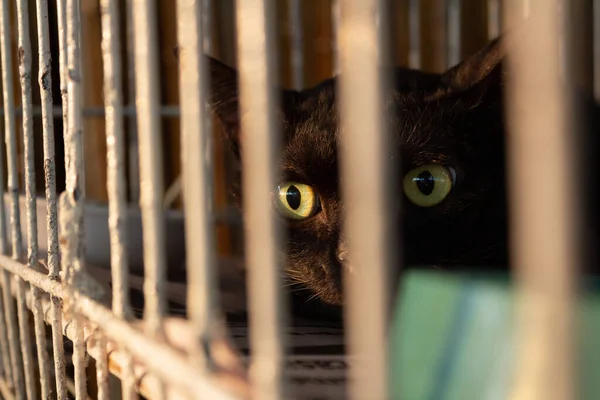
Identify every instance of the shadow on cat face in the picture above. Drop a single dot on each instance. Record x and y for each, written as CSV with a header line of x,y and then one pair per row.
x,y
453,121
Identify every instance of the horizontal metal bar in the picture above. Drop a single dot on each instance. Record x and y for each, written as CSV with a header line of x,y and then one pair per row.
x,y
146,350
169,111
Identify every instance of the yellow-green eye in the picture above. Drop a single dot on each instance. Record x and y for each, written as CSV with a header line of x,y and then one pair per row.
x,y
428,185
296,200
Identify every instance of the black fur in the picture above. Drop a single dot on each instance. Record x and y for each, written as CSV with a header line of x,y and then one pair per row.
x,y
455,119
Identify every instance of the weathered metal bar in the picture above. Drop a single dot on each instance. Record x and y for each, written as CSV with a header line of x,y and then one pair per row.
x,y
132,132
370,214
414,28
544,235
99,112
102,368
116,177
24,43
45,80
6,365
72,200
197,173
257,65
295,20
453,36
494,18
10,139
151,177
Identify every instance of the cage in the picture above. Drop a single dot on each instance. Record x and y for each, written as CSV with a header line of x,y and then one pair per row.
x,y
127,270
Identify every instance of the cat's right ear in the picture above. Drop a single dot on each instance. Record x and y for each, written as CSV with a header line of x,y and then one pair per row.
x,y
223,98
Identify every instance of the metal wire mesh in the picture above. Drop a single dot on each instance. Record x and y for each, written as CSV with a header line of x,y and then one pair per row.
x,y
52,280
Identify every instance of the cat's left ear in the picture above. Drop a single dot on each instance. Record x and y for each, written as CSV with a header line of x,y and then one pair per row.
x,y
479,72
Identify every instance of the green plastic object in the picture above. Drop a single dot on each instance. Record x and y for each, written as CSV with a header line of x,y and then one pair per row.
x,y
452,338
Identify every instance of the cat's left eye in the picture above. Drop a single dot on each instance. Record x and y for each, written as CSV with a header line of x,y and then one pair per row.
x,y
296,200
428,185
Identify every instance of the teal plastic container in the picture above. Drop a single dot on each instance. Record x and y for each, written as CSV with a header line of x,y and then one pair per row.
x,y
452,338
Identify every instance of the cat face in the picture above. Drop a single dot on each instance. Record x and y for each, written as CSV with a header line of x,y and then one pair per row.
x,y
448,135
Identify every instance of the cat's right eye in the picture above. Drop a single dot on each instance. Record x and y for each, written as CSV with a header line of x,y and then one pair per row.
x,y
296,200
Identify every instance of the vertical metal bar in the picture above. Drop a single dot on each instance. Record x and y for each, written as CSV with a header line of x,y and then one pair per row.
x,y
73,199
30,201
257,61
117,191
335,23
295,23
207,9
61,19
196,159
597,49
102,369
494,20
132,131
370,216
414,27
453,36
45,80
10,140
4,347
544,234
151,177
16,360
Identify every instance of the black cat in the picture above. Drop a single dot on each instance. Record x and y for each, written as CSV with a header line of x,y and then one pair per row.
x,y
449,131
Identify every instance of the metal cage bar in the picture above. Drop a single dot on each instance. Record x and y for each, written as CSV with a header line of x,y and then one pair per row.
x,y
494,18
543,237
13,325
414,29
257,62
45,80
31,212
116,177
295,19
453,36
197,173
72,200
151,178
369,219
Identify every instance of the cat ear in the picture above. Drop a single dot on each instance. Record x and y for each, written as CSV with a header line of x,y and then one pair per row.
x,y
480,71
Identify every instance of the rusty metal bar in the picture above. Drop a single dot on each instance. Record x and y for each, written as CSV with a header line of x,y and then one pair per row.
x,y
544,234
10,139
45,80
72,200
257,63
295,20
453,36
370,215
102,368
414,28
197,173
116,177
151,177
31,212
